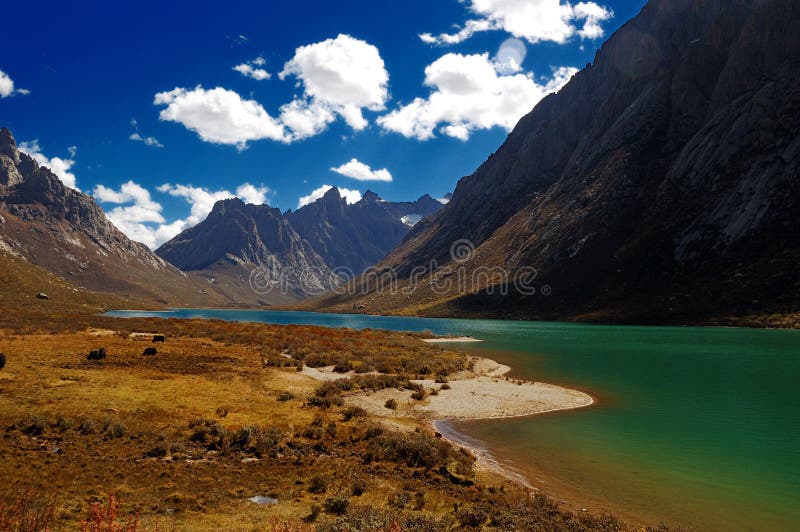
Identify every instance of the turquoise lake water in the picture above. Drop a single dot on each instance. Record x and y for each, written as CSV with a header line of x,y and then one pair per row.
x,y
693,426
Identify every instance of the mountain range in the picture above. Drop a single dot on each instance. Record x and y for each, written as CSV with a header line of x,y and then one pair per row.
x,y
659,185
241,254
256,254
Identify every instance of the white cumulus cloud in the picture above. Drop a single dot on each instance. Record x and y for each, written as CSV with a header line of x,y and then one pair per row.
x,y
468,93
219,115
350,196
532,20
7,86
133,219
359,171
252,69
342,75
256,195
336,77
60,167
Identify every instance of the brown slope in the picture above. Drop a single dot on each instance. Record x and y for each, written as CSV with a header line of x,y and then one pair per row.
x,y
660,184
67,233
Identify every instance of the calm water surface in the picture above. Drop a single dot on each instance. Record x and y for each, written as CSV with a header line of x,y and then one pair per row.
x,y
693,426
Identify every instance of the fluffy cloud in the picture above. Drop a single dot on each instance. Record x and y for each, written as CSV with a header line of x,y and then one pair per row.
x,y
359,171
131,219
252,69
532,20
350,196
256,195
468,93
337,77
149,141
140,217
60,167
219,115
7,86
305,119
342,75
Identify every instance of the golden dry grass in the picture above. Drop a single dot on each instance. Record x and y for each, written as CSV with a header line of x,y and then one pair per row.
x,y
164,433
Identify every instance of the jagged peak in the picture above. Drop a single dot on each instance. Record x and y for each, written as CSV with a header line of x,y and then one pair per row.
x,y
370,196
332,192
7,143
223,205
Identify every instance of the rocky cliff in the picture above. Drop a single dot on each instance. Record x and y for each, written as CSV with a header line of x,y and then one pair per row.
x,y
660,184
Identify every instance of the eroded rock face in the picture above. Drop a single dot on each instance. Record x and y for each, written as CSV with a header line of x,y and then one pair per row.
x,y
672,159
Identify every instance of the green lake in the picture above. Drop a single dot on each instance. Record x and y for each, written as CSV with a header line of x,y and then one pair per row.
x,y
693,426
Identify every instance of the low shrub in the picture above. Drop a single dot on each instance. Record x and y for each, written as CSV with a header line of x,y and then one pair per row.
x,y
337,505
472,517
114,429
86,426
319,484
33,425
330,430
358,487
416,449
354,412
315,511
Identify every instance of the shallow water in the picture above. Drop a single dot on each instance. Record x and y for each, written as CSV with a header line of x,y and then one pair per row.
x,y
693,426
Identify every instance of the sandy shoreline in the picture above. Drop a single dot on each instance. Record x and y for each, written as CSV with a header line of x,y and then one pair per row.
x,y
482,393
451,340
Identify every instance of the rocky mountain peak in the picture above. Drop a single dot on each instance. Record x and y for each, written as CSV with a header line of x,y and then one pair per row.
x,y
370,197
9,159
222,207
7,143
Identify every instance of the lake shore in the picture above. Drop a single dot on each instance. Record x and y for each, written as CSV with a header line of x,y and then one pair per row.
x,y
484,392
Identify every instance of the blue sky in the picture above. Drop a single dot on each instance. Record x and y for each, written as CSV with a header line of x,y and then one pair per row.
x,y
140,103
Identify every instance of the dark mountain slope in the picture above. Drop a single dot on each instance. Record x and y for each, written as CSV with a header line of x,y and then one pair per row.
x,y
660,184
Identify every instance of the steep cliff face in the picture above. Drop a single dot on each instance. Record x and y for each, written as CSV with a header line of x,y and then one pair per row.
x,y
663,175
67,233
255,254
